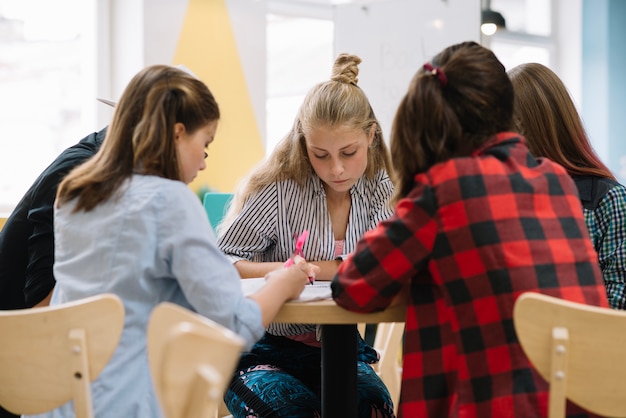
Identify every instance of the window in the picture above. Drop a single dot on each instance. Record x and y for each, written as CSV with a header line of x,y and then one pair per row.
x,y
40,112
299,55
532,17
529,33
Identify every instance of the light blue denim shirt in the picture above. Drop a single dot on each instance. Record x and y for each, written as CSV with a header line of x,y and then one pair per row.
x,y
151,243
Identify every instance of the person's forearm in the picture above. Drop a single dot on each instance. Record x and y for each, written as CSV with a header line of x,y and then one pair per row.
x,y
248,269
281,285
328,269
270,298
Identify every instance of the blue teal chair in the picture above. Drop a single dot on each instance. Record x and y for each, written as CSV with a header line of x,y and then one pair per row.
x,y
216,205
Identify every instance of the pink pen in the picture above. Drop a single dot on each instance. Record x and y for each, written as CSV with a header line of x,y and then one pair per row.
x,y
298,250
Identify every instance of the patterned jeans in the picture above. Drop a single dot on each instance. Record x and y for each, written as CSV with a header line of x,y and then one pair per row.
x,y
282,378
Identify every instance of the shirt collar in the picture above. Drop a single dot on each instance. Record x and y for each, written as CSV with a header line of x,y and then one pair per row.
x,y
100,136
498,139
584,184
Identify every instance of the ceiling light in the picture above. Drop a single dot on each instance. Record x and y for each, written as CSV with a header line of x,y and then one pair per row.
x,y
491,22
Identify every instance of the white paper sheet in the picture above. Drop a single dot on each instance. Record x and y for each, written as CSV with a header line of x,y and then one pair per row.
x,y
318,291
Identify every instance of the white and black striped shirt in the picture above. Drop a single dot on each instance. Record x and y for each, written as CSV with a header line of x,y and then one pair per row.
x,y
264,229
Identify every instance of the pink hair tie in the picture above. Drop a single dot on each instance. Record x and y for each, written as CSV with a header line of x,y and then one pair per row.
x,y
436,71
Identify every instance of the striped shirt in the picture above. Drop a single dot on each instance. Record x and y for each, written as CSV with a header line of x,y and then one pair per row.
x,y
264,229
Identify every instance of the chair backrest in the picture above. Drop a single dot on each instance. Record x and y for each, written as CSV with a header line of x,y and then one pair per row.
x,y
216,204
50,354
388,342
191,360
578,349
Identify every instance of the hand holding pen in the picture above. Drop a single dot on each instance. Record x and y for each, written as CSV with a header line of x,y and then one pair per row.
x,y
298,251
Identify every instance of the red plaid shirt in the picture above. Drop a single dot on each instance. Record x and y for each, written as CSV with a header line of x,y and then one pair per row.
x,y
472,235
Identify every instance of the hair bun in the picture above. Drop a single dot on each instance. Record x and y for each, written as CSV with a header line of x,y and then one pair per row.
x,y
346,69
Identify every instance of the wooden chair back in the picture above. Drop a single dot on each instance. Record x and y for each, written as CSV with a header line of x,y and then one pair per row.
x,y
578,349
50,355
388,343
191,360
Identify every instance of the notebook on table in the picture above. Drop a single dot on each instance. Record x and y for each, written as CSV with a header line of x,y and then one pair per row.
x,y
317,291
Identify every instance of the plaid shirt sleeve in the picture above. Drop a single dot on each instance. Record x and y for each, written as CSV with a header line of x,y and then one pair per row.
x,y
607,227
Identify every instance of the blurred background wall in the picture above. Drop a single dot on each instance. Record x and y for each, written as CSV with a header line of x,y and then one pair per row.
x,y
259,57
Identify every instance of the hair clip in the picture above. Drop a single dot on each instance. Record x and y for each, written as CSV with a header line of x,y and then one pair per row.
x,y
436,71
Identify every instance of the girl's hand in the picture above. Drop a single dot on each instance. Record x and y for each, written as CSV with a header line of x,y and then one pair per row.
x,y
311,270
288,282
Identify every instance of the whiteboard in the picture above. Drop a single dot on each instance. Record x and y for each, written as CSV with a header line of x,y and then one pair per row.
x,y
395,38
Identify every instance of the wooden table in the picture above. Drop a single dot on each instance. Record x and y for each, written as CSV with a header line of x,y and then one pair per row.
x,y
339,348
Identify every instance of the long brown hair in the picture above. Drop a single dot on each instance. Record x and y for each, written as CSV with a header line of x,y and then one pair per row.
x,y
140,138
453,105
337,102
545,114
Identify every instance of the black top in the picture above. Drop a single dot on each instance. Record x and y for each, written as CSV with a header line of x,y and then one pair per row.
x,y
592,189
27,239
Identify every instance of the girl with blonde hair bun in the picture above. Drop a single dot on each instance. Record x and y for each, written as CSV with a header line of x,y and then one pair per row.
x,y
328,176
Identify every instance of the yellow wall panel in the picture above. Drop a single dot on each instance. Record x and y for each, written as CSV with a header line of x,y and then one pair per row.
x,y
208,47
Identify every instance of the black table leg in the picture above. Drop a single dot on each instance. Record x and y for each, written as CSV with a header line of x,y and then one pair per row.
x,y
339,354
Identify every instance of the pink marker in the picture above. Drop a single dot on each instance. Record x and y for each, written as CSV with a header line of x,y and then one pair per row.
x,y
298,250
